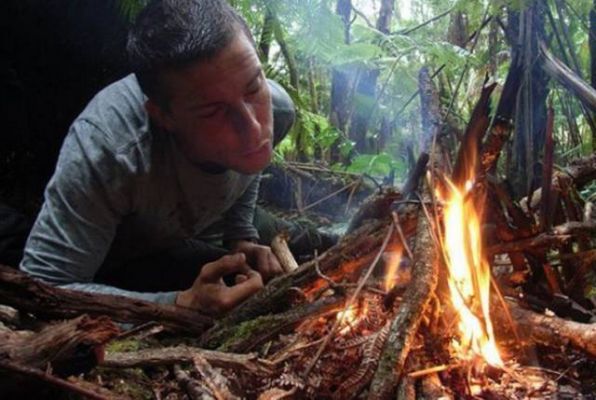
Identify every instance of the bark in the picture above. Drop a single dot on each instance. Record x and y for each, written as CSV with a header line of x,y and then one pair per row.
x,y
554,331
470,146
266,36
183,354
85,389
592,42
195,389
342,261
60,344
247,335
279,246
546,206
559,235
530,115
26,294
404,325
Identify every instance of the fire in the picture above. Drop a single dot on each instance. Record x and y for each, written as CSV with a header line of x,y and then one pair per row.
x,y
392,260
350,318
469,275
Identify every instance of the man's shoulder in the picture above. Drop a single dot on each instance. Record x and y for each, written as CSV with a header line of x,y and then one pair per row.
x,y
118,114
280,99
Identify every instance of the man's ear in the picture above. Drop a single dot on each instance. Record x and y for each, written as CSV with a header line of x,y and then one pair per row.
x,y
159,116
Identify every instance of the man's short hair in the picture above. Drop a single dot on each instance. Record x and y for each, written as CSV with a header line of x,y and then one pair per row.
x,y
169,34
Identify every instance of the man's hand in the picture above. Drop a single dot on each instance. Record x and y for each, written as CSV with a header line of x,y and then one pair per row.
x,y
211,295
259,257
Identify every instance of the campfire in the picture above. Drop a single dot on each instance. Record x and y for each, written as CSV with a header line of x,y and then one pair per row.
x,y
428,296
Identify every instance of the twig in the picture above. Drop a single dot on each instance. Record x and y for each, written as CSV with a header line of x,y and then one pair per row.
x,y
311,205
55,381
432,370
349,303
400,232
180,354
428,21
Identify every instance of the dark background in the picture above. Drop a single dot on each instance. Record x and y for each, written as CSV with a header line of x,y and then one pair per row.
x,y
54,56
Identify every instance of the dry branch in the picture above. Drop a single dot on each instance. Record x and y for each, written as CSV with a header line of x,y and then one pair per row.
x,y
26,294
184,354
57,343
214,380
89,390
559,235
195,389
554,331
279,246
407,320
245,336
470,146
560,72
342,261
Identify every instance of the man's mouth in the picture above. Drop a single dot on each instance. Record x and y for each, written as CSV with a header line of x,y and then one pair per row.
x,y
258,149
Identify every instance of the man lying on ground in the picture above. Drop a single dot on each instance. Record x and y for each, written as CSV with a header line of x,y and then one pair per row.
x,y
157,157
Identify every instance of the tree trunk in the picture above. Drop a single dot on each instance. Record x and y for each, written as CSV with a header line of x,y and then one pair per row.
x,y
367,87
530,115
593,58
341,82
266,36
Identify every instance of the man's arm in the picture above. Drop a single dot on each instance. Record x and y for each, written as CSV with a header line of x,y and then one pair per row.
x,y
84,203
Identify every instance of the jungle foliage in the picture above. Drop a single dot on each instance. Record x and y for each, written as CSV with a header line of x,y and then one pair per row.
x,y
351,67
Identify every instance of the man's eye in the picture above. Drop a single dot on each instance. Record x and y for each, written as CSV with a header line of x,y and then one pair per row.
x,y
254,90
209,112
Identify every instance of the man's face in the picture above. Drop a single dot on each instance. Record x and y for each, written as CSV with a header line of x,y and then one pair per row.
x,y
220,110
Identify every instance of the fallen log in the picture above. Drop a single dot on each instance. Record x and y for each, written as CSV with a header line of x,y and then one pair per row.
x,y
62,344
553,331
26,294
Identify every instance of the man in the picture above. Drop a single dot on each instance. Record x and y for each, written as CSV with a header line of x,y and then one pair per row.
x,y
158,157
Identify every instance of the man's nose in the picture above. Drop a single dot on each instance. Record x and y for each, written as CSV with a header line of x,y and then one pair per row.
x,y
246,122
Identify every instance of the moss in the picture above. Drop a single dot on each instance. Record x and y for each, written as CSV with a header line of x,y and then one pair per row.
x,y
229,339
125,345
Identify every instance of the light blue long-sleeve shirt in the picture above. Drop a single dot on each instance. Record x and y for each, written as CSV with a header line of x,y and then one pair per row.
x,y
122,190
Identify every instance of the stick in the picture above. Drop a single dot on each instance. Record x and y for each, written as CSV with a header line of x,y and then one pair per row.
x,y
554,331
351,254
279,246
98,393
180,354
195,389
214,380
22,292
407,320
339,321
566,77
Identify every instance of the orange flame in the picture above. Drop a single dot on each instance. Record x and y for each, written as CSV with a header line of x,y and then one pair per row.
x,y
469,275
392,260
350,318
